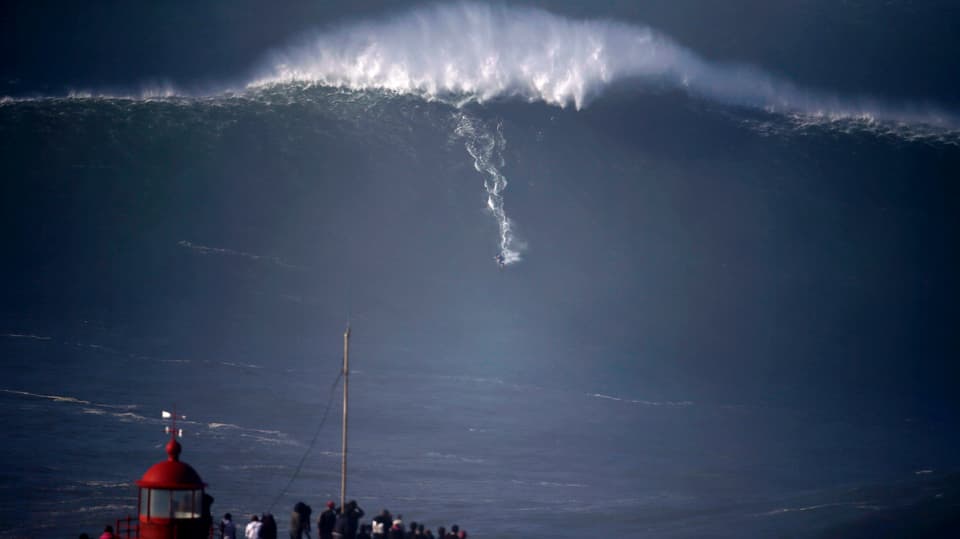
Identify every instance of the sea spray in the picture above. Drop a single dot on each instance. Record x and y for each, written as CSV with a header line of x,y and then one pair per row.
x,y
465,52
462,52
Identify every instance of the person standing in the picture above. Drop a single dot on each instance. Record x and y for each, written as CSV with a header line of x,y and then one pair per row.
x,y
396,529
228,530
269,528
295,525
326,522
205,514
381,524
252,530
300,521
348,522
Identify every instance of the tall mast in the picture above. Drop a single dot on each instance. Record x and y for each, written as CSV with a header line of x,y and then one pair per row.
x,y
346,387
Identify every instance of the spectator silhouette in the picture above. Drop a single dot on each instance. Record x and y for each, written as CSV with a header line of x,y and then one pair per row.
x,y
228,530
268,530
327,521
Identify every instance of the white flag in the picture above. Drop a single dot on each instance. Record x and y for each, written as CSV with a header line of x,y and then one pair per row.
x,y
165,414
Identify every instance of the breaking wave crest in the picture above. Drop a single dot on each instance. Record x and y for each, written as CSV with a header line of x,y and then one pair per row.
x,y
469,52
465,52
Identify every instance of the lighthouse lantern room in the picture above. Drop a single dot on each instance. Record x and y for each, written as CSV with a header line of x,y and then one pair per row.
x,y
173,501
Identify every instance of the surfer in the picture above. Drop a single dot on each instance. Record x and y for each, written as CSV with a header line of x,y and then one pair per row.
x,y
501,260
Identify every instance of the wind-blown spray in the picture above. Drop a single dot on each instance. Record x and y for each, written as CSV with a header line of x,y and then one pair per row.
x,y
472,52
460,52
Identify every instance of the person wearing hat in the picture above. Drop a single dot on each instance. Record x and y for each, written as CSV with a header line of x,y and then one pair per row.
x,y
327,520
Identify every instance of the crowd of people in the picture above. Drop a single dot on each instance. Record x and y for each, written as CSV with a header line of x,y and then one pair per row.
x,y
336,523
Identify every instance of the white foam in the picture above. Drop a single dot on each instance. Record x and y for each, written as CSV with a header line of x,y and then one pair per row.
x,y
552,484
26,336
106,484
271,440
243,467
472,52
129,416
859,505
97,347
447,456
88,407
642,402
231,426
206,250
55,398
105,508
466,52
478,52
242,365
265,436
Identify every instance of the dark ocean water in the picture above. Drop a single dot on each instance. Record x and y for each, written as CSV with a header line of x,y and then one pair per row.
x,y
726,323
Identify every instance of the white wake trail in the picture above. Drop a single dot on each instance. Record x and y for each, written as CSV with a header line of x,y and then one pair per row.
x,y
485,144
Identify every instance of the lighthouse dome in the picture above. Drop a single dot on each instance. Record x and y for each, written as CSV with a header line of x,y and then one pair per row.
x,y
171,473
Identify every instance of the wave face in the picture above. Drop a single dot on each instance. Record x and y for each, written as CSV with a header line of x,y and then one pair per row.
x,y
470,52
213,246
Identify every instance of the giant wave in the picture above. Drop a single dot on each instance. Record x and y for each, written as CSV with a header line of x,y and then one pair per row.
x,y
464,53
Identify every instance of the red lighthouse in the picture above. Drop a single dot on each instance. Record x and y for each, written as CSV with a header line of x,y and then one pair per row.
x,y
173,503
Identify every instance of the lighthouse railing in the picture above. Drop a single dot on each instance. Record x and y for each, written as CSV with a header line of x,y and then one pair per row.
x,y
128,528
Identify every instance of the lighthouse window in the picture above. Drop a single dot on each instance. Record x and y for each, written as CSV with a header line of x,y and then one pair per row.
x,y
159,503
186,503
